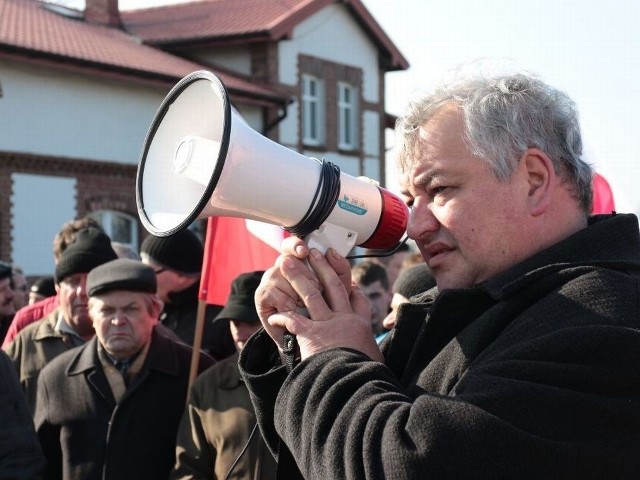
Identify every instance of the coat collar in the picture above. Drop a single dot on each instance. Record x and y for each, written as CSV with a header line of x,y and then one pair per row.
x,y
46,326
162,357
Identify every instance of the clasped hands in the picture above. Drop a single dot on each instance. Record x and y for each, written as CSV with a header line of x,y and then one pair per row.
x,y
338,313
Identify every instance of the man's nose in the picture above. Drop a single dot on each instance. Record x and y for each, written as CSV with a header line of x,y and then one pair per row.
x,y
422,221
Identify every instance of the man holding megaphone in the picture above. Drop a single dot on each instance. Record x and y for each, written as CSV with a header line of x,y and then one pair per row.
x,y
523,363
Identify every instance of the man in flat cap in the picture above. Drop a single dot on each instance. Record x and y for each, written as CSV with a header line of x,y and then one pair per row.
x,y
219,418
68,325
110,409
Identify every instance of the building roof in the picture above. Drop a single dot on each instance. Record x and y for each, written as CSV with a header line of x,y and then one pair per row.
x,y
204,22
34,31
40,32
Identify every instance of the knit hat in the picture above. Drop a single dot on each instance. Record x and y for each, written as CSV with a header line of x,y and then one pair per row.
x,y
241,305
182,251
90,248
121,274
414,280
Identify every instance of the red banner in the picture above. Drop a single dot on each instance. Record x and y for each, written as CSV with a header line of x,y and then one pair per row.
x,y
234,246
602,195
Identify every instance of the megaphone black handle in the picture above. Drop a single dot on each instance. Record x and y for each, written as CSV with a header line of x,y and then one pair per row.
x,y
289,349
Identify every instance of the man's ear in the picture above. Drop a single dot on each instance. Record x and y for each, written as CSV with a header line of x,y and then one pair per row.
x,y
541,178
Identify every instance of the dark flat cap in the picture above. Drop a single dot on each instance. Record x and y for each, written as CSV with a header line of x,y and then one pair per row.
x,y
121,274
241,305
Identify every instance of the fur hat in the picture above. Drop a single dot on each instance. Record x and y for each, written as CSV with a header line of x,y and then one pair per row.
x,y
182,251
90,248
121,274
241,305
414,280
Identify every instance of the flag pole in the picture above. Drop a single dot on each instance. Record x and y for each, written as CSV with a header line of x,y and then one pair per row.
x,y
197,344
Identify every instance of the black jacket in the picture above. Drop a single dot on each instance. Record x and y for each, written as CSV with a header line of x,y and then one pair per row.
x,y
532,374
179,315
20,454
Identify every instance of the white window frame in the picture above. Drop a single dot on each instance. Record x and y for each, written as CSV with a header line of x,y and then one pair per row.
x,y
347,116
107,218
313,119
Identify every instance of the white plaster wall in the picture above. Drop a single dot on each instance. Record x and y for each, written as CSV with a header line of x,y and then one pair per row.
x,y
40,206
235,58
252,115
331,34
289,126
347,164
371,133
62,114
372,168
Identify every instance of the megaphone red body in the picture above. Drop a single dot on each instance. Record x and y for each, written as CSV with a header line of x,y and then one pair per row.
x,y
201,159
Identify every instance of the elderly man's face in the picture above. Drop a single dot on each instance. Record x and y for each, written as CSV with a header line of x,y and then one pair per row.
x,y
467,224
123,321
74,303
20,290
6,298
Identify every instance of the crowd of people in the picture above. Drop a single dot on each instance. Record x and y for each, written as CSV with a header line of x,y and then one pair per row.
x,y
504,345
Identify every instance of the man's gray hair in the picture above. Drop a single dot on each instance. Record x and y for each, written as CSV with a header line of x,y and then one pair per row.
x,y
505,115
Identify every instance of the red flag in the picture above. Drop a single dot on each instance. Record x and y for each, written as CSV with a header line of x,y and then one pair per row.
x,y
602,195
234,246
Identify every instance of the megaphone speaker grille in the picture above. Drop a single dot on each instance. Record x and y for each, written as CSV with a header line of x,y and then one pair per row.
x,y
183,154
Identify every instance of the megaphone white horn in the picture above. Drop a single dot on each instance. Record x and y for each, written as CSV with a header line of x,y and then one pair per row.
x,y
201,159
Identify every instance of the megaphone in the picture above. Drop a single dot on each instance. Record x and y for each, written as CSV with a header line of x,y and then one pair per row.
x,y
201,159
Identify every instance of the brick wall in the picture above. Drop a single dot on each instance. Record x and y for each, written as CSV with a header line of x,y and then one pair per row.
x,y
100,185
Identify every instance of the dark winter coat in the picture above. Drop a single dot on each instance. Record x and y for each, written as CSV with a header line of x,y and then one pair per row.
x,y
86,435
532,374
20,453
179,316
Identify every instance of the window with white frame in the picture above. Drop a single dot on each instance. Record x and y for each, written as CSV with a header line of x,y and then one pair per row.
x,y
347,115
312,110
120,227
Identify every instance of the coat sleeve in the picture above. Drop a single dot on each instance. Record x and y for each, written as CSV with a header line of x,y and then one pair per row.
x,y
264,375
48,433
195,456
529,411
20,453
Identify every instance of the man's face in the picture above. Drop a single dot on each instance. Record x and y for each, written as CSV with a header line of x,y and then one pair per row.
x,y
166,279
395,265
6,298
389,321
468,225
123,321
241,331
73,303
379,298
20,290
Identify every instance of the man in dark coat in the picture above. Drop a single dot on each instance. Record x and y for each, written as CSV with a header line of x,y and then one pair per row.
x,y
218,432
20,453
110,409
523,363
